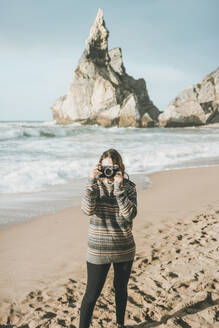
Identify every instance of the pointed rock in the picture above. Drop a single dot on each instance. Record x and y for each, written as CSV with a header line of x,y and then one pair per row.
x,y
98,37
196,105
101,91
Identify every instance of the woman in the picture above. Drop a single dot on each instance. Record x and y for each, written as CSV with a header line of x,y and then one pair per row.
x,y
111,204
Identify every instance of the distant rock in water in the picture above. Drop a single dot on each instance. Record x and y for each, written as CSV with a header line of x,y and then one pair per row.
x,y
196,105
101,91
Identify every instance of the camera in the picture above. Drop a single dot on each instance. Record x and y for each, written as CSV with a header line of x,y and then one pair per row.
x,y
108,171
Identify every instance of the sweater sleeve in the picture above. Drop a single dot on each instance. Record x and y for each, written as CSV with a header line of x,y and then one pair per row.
x,y
127,200
89,196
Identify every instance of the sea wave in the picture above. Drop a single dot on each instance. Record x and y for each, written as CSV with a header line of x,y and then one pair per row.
x,y
38,175
36,155
44,130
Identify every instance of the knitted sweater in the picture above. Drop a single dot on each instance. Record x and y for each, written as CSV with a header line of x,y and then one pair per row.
x,y
111,209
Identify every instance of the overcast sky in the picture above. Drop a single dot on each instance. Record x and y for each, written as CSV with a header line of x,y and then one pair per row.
x,y
170,43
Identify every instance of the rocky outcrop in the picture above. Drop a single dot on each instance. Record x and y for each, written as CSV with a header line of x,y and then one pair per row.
x,y
196,105
101,91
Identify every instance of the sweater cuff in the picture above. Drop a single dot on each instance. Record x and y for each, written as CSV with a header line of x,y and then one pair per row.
x,y
92,181
118,188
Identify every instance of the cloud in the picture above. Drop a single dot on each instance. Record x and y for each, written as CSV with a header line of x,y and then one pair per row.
x,y
166,73
163,82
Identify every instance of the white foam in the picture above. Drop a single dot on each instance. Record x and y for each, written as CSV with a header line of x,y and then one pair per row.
x,y
35,155
39,175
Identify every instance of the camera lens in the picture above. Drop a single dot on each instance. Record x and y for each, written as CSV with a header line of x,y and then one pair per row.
x,y
108,172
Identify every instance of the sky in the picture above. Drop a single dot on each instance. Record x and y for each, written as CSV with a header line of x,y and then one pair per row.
x,y
170,43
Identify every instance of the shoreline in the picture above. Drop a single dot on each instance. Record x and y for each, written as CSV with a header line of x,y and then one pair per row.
x,y
43,253
50,201
30,206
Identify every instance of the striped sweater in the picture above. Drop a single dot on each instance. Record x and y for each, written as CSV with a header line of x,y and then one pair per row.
x,y
111,209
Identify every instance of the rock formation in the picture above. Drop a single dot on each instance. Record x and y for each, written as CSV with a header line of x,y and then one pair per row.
x,y
101,91
196,105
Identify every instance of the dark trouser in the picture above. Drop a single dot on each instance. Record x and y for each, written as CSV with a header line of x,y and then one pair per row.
x,y
96,277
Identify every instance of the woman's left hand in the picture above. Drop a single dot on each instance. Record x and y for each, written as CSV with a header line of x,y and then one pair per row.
x,y
118,177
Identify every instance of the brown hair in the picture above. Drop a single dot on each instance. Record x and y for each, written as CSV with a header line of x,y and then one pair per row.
x,y
115,156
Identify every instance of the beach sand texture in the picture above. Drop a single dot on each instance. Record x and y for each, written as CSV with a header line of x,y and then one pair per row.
x,y
174,281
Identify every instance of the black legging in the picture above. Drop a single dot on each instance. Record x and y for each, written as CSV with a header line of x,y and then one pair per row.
x,y
96,277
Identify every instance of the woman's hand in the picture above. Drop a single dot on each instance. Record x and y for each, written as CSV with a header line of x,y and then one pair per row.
x,y
118,177
95,172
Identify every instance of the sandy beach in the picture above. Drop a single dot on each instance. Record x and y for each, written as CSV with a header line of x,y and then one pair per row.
x,y
174,281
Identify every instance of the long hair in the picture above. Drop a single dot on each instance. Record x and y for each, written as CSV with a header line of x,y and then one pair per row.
x,y
116,158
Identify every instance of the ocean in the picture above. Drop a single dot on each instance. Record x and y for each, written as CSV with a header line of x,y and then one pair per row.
x,y
44,166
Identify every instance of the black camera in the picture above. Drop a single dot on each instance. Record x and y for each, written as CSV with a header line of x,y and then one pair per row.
x,y
109,171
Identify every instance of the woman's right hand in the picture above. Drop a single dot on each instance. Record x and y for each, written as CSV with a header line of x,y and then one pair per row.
x,y
95,172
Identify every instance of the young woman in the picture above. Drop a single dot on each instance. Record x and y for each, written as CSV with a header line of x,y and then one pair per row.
x,y
111,204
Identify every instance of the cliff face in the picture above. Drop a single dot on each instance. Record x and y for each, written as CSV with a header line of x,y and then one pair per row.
x,y
101,91
196,105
